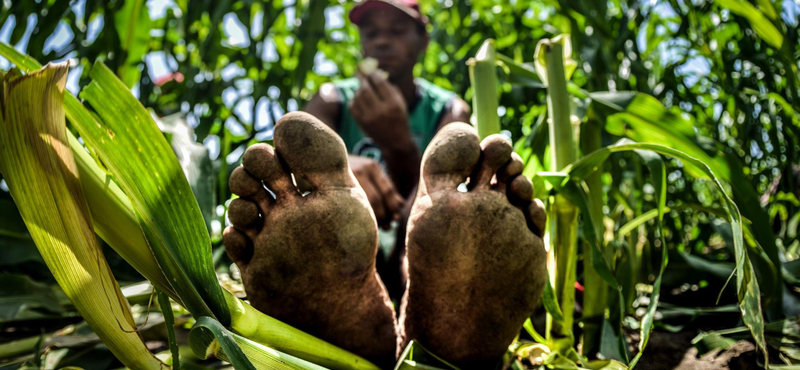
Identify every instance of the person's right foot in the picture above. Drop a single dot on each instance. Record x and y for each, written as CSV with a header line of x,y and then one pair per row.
x,y
476,259
309,260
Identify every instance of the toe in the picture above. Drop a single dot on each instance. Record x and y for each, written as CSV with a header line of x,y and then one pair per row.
x,y
238,246
312,151
520,190
537,217
450,157
513,168
495,152
261,161
243,184
242,213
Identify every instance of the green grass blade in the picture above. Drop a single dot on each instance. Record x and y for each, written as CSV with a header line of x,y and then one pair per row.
x,y
137,154
42,177
208,336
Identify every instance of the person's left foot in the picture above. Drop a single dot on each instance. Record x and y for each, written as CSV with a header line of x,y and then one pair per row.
x,y
476,260
309,259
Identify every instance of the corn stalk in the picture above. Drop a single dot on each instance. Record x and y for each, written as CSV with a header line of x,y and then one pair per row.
x,y
483,77
564,215
42,177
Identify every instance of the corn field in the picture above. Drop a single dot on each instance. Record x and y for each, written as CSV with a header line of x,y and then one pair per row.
x,y
662,136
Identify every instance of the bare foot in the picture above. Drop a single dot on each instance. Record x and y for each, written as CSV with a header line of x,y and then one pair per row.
x,y
309,260
476,260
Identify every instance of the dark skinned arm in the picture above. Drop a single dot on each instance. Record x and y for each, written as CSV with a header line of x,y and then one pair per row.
x,y
381,111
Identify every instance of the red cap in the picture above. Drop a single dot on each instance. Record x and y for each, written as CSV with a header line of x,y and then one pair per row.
x,y
410,7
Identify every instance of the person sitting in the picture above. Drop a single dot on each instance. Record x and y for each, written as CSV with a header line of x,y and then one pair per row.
x,y
386,123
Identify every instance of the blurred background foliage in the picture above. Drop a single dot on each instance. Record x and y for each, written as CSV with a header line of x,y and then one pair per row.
x,y
727,70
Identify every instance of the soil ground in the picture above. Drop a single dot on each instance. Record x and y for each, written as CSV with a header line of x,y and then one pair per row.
x,y
674,351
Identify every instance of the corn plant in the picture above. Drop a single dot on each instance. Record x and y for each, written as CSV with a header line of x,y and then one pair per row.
x,y
575,192
132,193
139,202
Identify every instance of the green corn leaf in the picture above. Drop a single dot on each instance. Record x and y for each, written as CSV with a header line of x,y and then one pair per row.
x,y
208,338
272,333
659,175
114,218
22,61
761,24
606,365
528,325
540,57
519,73
11,224
626,229
137,154
21,298
264,357
631,225
710,341
118,225
767,8
195,162
550,302
644,119
415,356
132,22
746,284
169,321
207,328
42,177
576,193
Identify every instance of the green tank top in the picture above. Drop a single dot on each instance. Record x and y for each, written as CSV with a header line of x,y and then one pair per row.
x,y
423,118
